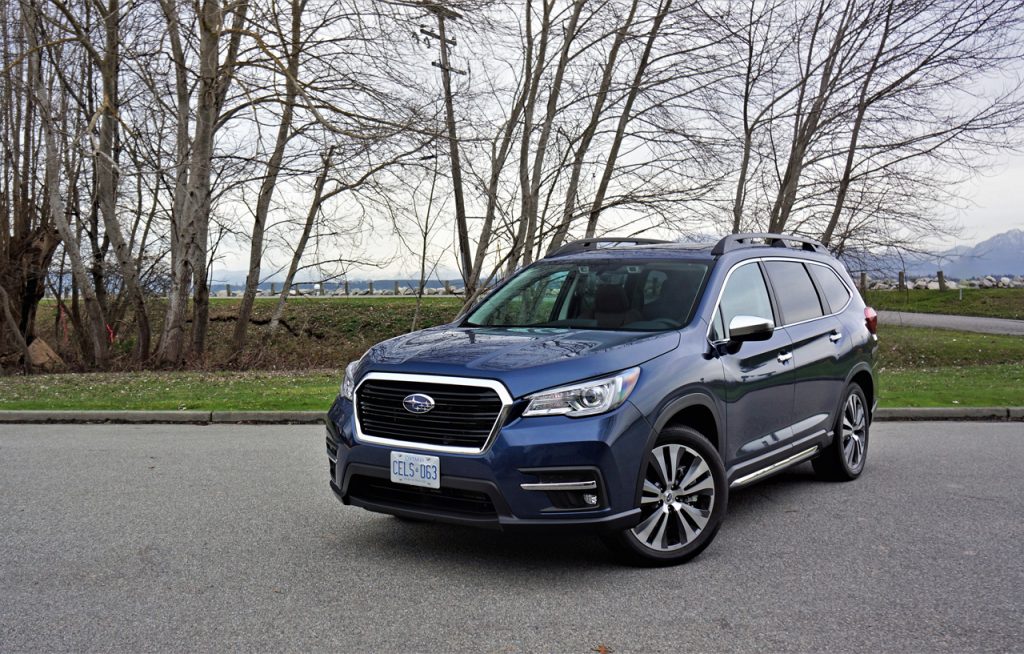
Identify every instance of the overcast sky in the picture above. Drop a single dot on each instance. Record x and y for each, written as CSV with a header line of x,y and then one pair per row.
x,y
997,202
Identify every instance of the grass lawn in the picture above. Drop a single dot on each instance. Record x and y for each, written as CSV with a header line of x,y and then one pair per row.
x,y
210,391
996,386
987,302
917,368
934,368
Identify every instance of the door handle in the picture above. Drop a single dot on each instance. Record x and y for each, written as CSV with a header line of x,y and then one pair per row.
x,y
785,356
835,336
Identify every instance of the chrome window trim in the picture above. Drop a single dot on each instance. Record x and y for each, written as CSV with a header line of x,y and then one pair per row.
x,y
721,291
493,384
725,283
849,292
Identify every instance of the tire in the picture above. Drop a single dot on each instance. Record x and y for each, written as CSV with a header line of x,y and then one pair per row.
x,y
675,528
844,458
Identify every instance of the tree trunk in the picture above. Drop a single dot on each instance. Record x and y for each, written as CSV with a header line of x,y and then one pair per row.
x,y
172,340
807,127
300,247
284,132
11,330
106,177
97,333
536,66
569,208
211,21
624,118
23,283
214,81
530,202
851,151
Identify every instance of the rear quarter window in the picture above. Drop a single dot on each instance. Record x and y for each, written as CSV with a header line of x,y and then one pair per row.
x,y
836,292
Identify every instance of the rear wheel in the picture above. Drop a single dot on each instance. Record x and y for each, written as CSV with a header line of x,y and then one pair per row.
x,y
844,459
682,503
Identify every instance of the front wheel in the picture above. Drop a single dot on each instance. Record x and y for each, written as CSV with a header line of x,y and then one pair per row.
x,y
682,503
844,459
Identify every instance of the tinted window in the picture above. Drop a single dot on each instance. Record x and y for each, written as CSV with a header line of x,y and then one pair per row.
x,y
794,290
654,285
605,294
834,289
745,294
717,329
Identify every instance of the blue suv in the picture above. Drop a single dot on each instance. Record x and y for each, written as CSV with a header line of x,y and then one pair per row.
x,y
622,385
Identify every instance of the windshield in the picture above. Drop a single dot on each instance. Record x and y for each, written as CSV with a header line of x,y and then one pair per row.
x,y
616,295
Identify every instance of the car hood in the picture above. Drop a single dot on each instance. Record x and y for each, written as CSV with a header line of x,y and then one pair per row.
x,y
525,360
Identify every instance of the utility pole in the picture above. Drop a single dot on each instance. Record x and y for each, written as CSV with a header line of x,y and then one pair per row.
x,y
461,224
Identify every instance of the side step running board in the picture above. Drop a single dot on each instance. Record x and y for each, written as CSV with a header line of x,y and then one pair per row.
x,y
775,467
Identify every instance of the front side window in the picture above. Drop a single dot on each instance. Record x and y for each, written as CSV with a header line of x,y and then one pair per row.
x,y
609,294
745,294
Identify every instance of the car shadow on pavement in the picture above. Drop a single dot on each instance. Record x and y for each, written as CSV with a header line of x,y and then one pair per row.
x,y
481,548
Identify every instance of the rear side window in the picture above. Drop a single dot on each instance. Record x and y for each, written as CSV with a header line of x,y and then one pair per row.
x,y
794,290
835,291
745,294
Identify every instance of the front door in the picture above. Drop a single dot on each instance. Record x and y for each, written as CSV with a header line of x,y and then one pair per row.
x,y
758,374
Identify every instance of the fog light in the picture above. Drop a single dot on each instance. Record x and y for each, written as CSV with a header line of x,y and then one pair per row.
x,y
590,499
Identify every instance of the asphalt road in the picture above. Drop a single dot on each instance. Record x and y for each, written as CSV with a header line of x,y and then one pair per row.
x,y
961,323
180,538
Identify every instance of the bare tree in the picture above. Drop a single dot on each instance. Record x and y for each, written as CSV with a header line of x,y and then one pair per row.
x,y
887,105
189,234
106,58
28,238
292,44
41,90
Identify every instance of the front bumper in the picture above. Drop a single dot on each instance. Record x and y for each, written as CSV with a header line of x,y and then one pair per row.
x,y
485,490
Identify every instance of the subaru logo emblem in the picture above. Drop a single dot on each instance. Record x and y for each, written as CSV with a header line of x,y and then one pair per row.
x,y
418,403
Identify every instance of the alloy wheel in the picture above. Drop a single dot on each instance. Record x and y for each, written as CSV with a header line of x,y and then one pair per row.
x,y
854,432
677,500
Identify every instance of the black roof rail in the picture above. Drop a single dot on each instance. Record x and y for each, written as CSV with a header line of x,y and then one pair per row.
x,y
592,243
737,241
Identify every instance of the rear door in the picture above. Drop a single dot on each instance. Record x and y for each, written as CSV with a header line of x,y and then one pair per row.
x,y
815,336
759,374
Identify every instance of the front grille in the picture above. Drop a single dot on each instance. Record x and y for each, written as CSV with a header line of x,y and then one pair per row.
x,y
444,500
463,416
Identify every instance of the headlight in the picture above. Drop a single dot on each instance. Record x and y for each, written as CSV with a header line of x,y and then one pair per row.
x,y
348,385
584,399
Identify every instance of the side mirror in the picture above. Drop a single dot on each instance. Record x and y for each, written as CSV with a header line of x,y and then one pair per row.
x,y
750,328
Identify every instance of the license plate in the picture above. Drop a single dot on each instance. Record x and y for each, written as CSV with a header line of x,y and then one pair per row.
x,y
416,469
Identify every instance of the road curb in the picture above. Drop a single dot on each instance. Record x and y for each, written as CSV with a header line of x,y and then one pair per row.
x,y
991,414
268,417
976,324
950,413
74,417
